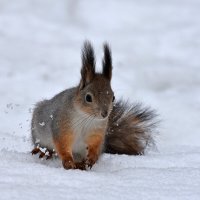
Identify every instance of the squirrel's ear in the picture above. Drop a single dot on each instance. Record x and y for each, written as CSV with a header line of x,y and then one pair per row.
x,y
88,64
107,62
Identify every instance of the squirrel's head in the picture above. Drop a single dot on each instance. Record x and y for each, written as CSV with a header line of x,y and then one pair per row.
x,y
95,96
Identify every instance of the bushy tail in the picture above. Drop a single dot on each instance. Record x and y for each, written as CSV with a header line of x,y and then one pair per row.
x,y
130,129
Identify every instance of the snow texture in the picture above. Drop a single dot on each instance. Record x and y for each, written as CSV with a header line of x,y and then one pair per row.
x,y
156,48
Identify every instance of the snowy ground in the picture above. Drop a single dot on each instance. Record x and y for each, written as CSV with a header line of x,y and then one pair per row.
x,y
156,48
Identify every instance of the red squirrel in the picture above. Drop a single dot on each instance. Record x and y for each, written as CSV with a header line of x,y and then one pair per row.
x,y
82,122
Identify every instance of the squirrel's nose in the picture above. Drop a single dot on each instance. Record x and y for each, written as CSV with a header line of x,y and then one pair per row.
x,y
104,114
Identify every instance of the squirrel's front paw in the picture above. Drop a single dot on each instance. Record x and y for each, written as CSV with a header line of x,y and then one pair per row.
x,y
69,164
81,165
91,160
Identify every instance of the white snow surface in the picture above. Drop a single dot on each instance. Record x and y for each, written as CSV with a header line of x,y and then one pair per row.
x,y
156,60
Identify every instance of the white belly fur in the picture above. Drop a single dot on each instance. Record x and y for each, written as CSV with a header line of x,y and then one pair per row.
x,y
83,125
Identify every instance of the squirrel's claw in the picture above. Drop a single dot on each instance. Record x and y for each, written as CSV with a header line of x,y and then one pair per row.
x,y
42,154
90,162
35,151
91,159
48,153
90,166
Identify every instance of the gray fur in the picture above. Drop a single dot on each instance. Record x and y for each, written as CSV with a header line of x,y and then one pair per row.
x,y
49,113
46,118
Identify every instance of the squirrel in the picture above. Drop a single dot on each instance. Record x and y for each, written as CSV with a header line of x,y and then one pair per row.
x,y
82,122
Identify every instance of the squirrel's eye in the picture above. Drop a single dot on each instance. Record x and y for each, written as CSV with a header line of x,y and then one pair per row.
x,y
88,98
113,98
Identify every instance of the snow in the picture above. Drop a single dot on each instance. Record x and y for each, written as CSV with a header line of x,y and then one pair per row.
x,y
155,46
42,123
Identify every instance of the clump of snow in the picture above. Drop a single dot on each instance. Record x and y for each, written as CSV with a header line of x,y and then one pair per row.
x,y
155,47
42,123
43,149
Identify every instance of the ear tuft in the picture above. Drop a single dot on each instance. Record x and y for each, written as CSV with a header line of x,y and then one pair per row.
x,y
107,62
88,63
